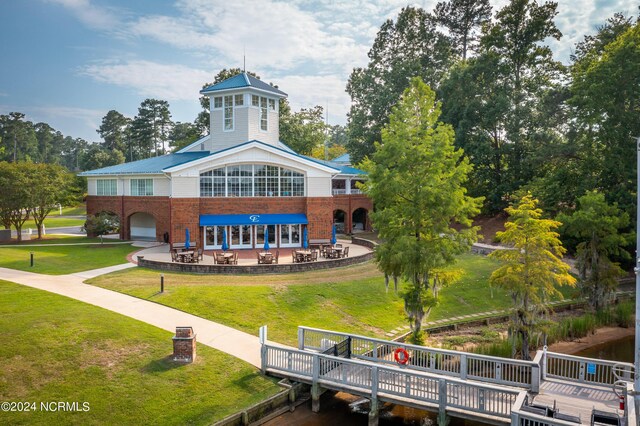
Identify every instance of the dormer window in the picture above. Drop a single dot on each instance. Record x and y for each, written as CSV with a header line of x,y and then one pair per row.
x,y
228,113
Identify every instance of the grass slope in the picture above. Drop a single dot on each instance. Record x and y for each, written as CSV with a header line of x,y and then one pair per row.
x,y
54,259
349,299
58,349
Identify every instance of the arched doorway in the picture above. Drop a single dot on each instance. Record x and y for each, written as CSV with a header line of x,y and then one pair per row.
x,y
359,220
339,220
142,226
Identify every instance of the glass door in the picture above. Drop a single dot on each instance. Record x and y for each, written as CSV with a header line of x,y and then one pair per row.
x,y
290,236
213,237
241,237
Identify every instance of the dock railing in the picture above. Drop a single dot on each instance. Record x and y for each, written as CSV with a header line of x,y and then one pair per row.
x,y
389,383
586,370
463,365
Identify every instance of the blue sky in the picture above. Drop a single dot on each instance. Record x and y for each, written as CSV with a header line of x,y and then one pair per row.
x,y
68,62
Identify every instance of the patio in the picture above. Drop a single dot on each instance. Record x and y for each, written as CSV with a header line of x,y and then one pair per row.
x,y
159,257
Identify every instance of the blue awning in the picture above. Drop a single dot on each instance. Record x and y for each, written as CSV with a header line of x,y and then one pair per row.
x,y
253,219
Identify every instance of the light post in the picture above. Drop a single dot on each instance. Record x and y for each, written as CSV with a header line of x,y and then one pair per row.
x,y
637,270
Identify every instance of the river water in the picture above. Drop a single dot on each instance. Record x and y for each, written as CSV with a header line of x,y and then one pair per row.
x,y
342,409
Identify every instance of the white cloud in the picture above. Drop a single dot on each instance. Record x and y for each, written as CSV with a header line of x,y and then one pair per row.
x,y
150,79
90,14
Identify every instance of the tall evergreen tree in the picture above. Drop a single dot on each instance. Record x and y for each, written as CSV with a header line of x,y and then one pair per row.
x,y
150,128
113,131
463,19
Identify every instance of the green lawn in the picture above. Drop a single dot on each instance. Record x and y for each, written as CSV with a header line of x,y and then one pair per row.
x,y
59,349
53,221
349,299
54,259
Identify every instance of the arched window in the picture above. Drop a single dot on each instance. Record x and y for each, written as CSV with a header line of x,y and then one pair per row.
x,y
252,180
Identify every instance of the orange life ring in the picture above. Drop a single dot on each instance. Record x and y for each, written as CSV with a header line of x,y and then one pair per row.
x,y
401,356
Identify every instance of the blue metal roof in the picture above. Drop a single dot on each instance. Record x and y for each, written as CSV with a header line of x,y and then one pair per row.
x,y
344,158
148,165
253,219
242,80
344,170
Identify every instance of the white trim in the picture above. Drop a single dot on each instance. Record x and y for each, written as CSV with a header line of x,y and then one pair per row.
x,y
246,79
246,146
245,88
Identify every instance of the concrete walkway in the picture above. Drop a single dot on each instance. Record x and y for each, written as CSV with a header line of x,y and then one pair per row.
x,y
226,339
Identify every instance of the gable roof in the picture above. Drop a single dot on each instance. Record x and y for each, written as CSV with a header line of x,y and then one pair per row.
x,y
153,165
242,80
284,152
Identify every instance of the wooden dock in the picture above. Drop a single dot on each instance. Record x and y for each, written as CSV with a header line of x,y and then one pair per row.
x,y
552,390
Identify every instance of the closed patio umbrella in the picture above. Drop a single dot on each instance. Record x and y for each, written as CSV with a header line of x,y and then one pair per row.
x,y
187,243
225,246
266,238
305,239
333,234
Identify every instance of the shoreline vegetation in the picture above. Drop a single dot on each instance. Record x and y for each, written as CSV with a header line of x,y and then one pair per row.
x,y
566,332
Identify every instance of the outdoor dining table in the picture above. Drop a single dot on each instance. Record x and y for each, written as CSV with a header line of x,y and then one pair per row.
x,y
186,256
335,252
227,257
306,254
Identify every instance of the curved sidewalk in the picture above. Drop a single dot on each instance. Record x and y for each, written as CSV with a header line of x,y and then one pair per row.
x,y
226,339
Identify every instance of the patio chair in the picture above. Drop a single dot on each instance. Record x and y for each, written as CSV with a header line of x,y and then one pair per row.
x,y
345,253
275,260
200,254
323,250
173,255
235,258
259,258
314,255
294,258
268,259
220,259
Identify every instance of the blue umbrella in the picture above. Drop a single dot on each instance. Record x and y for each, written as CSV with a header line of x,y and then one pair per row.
x,y
333,234
305,242
187,237
266,238
225,247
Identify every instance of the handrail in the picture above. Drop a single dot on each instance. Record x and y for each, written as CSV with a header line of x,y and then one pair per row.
x,y
417,347
390,382
586,370
464,365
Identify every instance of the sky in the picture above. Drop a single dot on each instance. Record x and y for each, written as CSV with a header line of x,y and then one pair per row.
x,y
68,62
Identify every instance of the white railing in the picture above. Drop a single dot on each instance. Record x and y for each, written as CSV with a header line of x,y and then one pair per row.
x,y
393,384
586,370
482,368
338,191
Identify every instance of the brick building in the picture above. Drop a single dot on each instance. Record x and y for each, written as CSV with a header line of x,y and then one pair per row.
x,y
240,179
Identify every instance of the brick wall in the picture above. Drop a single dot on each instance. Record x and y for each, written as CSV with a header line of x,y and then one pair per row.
x,y
184,345
174,215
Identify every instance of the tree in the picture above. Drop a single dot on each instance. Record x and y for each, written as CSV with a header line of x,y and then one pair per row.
x,y
415,180
182,134
532,267
596,226
150,128
304,130
528,71
97,157
409,47
462,18
101,224
605,95
16,195
54,187
113,131
18,137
